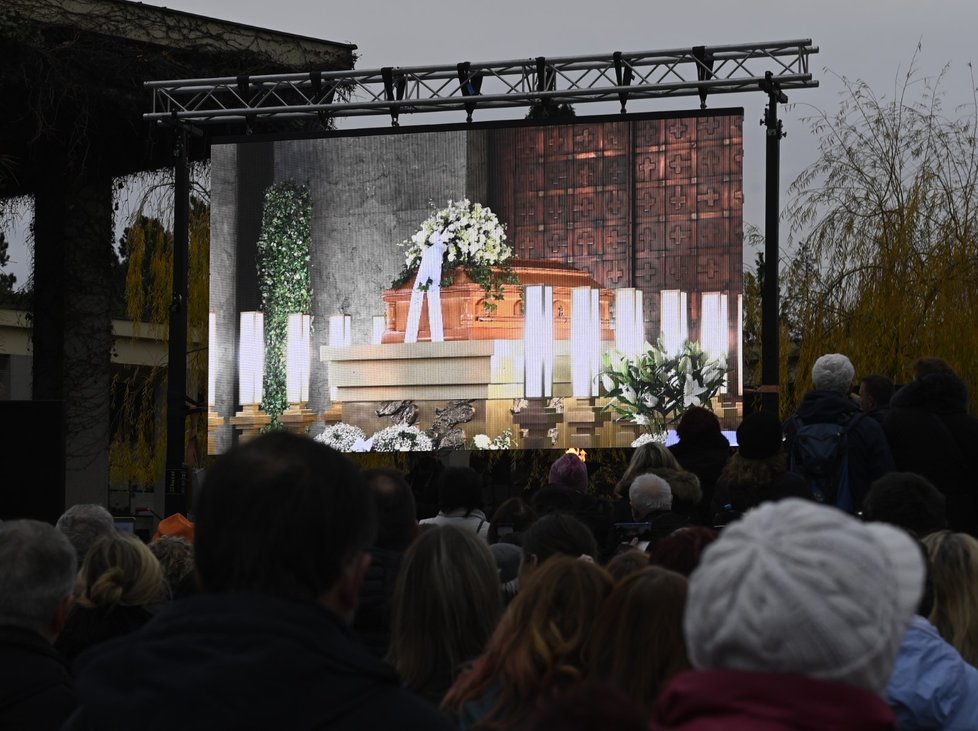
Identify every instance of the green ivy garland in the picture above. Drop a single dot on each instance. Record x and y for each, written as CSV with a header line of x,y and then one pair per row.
x,y
283,280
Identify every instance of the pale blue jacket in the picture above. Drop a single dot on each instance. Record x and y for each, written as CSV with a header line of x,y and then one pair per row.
x,y
932,687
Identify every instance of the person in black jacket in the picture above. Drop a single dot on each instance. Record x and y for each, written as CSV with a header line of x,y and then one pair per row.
x,y
830,402
37,578
283,529
932,434
397,528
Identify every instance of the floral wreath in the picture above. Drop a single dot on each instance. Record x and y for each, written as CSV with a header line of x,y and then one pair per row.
x,y
474,239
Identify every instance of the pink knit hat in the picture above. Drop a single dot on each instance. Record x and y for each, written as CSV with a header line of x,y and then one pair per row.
x,y
569,471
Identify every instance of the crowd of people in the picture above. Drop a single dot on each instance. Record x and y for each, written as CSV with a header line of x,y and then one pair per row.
x,y
719,586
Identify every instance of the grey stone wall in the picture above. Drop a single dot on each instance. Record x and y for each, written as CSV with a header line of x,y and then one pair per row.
x,y
369,193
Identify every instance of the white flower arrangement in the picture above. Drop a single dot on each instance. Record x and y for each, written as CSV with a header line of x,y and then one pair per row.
x,y
646,437
341,436
655,389
471,232
401,438
483,441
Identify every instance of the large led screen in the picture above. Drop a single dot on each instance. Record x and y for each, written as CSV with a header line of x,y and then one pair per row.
x,y
621,230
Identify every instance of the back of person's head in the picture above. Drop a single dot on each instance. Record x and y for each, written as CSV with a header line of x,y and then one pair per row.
x,y
759,435
929,366
446,604
178,525
557,534
682,549
907,500
508,557
637,642
120,570
698,424
176,557
37,575
460,488
875,392
282,515
510,521
589,706
649,492
397,517
628,561
954,579
798,587
537,648
83,524
569,471
646,457
685,486
833,372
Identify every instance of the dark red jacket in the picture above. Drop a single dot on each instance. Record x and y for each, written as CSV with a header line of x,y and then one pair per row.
x,y
738,700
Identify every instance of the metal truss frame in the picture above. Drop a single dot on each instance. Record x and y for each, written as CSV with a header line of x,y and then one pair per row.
x,y
698,71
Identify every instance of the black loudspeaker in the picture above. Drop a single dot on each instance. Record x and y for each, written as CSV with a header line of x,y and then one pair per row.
x,y
32,447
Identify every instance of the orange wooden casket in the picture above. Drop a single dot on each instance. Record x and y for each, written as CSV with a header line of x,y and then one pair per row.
x,y
464,314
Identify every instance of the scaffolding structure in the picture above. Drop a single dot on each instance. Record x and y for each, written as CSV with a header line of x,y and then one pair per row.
x,y
616,77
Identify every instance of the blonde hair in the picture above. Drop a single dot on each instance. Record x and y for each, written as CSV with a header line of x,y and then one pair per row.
x,y
954,577
120,569
646,458
538,647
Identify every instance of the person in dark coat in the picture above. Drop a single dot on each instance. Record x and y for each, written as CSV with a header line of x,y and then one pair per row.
x,y
830,402
703,450
37,578
758,471
283,529
875,392
397,528
931,433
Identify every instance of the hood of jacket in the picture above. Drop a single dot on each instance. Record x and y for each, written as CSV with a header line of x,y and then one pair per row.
x,y
206,656
940,393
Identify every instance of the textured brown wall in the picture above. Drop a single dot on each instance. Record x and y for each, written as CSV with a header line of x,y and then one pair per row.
x,y
654,204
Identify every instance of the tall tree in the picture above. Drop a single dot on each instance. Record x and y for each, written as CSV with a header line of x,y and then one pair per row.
x,y
885,222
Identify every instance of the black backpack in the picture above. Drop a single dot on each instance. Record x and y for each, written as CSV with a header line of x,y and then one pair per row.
x,y
820,454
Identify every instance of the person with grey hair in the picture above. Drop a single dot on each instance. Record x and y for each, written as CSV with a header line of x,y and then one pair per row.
x,y
83,524
650,497
865,454
37,579
649,493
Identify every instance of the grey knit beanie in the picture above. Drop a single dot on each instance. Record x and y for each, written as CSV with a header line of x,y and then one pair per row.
x,y
798,587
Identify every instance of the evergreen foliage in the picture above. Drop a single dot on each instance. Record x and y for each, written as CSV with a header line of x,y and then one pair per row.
x,y
283,280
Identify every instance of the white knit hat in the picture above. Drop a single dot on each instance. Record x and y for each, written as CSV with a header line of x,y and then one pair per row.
x,y
798,587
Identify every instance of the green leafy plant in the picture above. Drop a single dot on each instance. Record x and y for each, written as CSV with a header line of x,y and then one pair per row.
x,y
654,389
283,280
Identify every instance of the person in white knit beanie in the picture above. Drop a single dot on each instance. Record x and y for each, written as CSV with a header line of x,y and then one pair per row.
x,y
795,615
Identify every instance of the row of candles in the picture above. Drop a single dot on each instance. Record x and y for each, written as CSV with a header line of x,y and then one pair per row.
x,y
538,341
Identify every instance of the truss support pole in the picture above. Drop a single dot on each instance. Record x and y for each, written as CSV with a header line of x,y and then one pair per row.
x,y
770,292
175,497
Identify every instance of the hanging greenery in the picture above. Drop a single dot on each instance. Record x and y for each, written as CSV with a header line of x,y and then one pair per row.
x,y
283,280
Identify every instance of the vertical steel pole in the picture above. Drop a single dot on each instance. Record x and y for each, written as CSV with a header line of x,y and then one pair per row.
x,y
175,497
770,292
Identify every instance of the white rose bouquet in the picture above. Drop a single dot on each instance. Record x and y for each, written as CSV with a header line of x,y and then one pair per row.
x,y
401,438
474,239
341,436
483,441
